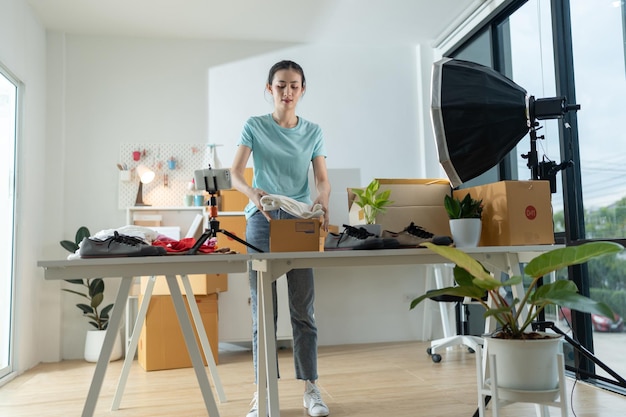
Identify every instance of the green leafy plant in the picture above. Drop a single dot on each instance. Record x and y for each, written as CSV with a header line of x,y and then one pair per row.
x,y
473,281
94,288
372,201
467,208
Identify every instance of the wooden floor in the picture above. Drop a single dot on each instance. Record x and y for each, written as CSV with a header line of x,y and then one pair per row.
x,y
374,380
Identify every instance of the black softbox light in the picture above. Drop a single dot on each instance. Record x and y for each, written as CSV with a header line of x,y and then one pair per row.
x,y
478,115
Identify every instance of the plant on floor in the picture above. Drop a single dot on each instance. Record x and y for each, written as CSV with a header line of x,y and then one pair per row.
x,y
473,281
467,208
94,288
371,200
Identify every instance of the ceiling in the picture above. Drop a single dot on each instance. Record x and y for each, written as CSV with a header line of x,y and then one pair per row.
x,y
305,21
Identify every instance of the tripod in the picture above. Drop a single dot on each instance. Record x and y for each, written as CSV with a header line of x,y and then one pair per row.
x,y
214,227
543,325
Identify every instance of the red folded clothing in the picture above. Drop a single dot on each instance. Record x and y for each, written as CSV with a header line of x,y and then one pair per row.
x,y
183,245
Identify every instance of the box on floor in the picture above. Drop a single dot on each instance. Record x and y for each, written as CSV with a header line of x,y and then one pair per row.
x,y
161,343
415,200
514,212
201,284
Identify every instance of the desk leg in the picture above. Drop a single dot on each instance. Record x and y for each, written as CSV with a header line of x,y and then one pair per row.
x,y
266,347
192,346
134,341
107,346
204,340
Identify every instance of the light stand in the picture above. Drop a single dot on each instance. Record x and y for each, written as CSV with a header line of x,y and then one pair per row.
x,y
543,325
212,187
542,109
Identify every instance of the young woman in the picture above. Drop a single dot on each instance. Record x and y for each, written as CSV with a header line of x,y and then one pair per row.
x,y
283,147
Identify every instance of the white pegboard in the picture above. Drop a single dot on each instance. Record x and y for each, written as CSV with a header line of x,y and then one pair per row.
x,y
169,185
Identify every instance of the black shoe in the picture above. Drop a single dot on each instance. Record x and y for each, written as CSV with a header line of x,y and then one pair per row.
x,y
413,236
118,246
353,238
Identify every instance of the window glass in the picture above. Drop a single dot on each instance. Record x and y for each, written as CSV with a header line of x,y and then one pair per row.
x,y
8,123
598,39
598,42
532,67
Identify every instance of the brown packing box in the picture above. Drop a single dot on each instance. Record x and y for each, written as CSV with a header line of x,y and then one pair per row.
x,y
201,284
233,200
416,191
417,200
235,225
514,212
161,343
295,235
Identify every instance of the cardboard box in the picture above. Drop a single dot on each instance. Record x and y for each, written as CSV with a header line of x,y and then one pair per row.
x,y
201,284
233,200
431,218
161,343
235,225
417,200
295,235
514,212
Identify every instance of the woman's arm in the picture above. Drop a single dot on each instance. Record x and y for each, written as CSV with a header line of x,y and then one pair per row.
x,y
322,184
239,182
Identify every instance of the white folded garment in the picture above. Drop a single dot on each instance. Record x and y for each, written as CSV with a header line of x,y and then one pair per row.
x,y
296,208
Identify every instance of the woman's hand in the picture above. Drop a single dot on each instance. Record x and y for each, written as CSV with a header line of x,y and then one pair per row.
x,y
322,200
255,197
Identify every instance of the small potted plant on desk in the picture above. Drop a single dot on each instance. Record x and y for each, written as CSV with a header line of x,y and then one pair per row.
x,y
94,294
512,340
373,202
465,219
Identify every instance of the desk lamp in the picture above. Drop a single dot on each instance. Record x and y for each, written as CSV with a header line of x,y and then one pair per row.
x,y
146,175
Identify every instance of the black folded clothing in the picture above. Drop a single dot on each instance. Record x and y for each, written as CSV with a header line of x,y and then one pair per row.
x,y
118,246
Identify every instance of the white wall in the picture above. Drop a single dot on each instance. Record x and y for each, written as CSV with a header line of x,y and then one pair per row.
x,y
364,98
134,90
120,90
37,317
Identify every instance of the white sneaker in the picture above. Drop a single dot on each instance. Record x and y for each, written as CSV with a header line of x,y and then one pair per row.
x,y
254,407
313,401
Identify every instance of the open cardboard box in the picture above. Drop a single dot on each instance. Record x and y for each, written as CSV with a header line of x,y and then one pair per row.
x,y
417,200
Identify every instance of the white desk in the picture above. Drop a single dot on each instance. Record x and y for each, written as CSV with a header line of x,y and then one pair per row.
x,y
270,266
127,269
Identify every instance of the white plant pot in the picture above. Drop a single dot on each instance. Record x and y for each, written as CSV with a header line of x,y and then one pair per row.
x,y
526,365
465,232
93,346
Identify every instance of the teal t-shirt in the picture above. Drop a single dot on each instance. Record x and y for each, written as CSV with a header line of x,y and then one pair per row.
x,y
282,156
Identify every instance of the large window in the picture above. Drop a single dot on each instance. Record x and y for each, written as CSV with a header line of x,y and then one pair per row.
x,y
598,41
8,132
573,48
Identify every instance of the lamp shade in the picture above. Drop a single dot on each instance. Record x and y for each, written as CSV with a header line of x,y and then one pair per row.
x,y
145,174
478,117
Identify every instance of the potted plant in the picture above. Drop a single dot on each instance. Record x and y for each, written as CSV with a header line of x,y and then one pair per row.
x,y
465,219
373,202
93,291
473,281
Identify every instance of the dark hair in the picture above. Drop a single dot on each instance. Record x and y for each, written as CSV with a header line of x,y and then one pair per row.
x,y
285,65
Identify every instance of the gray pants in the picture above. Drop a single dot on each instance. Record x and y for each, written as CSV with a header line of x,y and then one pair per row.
x,y
301,298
